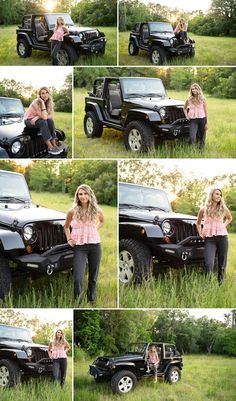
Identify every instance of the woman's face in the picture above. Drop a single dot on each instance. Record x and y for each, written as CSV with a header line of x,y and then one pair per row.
x,y
194,90
60,21
59,334
216,196
83,196
44,94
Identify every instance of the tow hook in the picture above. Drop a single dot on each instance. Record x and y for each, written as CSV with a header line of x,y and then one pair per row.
x,y
50,269
184,255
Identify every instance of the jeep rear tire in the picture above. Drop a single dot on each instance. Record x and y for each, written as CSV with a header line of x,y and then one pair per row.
x,y
92,127
9,373
173,375
23,48
135,261
192,53
123,382
133,49
158,55
66,55
139,137
5,277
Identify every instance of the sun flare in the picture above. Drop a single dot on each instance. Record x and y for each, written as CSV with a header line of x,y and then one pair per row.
x,y
49,5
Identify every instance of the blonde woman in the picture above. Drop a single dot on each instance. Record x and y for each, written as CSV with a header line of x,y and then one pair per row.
x,y
181,30
212,221
40,114
195,110
57,349
81,228
57,38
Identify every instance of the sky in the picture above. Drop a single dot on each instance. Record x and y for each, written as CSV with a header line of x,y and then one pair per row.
x,y
185,5
49,315
36,76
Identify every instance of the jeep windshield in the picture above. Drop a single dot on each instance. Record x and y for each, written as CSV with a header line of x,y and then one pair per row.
x,y
140,87
156,27
13,188
136,348
143,197
11,108
18,334
52,18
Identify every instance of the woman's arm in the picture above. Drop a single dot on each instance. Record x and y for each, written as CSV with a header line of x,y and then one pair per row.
x,y
206,113
228,217
69,217
66,30
50,350
51,114
199,221
101,219
185,109
67,346
40,108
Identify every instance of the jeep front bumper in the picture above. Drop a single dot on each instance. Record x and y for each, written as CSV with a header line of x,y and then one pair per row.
x,y
190,249
172,131
99,373
95,46
37,368
181,50
58,258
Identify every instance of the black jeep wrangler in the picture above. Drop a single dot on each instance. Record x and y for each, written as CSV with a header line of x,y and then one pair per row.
x,y
18,141
36,30
20,356
32,237
139,107
151,235
158,39
125,370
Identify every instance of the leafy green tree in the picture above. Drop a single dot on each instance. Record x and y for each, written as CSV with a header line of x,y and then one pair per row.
x,y
225,342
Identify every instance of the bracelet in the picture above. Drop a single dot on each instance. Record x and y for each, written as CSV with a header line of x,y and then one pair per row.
x,y
69,240
43,109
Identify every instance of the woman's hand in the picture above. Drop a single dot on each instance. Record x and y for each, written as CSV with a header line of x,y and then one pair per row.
x,y
71,242
206,126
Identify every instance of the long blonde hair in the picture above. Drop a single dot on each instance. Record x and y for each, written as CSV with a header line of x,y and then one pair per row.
x,y
220,208
61,340
49,103
93,208
196,99
57,24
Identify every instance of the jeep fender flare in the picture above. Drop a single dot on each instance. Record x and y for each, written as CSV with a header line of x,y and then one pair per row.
x,y
122,364
3,154
72,39
143,115
133,230
10,240
23,35
172,363
90,106
134,39
12,354
159,42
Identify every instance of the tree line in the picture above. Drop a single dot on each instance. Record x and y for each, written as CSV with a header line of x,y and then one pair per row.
x,y
65,177
109,331
217,82
27,93
219,20
86,12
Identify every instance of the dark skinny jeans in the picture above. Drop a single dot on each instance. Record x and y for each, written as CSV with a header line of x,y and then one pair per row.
x,y
90,253
59,368
216,247
197,126
55,46
46,127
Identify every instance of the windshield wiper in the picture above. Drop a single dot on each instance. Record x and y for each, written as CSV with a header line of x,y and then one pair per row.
x,y
11,115
12,198
154,94
131,205
154,207
6,338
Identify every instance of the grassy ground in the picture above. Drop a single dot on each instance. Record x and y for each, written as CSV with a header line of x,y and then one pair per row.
x,y
9,55
220,142
209,51
185,287
63,121
208,378
40,389
57,290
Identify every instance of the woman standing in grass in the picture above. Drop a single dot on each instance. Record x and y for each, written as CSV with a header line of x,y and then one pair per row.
x,y
195,110
57,352
81,228
211,224
40,114
57,38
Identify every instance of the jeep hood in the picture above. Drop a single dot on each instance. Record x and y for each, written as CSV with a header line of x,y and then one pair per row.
x,y
150,102
75,30
146,215
121,358
11,129
27,213
20,345
162,35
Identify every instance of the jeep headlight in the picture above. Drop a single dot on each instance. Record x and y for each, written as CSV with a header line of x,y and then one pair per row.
x,y
162,112
81,36
16,147
167,227
29,234
171,41
29,352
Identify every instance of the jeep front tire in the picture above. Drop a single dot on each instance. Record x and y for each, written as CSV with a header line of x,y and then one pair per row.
x,y
5,277
173,375
158,55
92,127
123,382
139,137
66,55
135,261
23,48
133,49
9,373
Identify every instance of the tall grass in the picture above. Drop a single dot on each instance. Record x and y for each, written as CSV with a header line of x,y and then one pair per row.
x,y
208,378
209,51
57,290
220,142
9,55
184,288
63,121
40,389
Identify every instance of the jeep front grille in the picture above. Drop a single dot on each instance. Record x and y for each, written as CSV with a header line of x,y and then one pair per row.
x,y
35,147
90,35
184,230
174,113
49,235
38,354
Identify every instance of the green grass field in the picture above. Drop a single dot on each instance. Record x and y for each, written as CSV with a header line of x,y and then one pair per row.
x,y
63,121
204,378
220,142
40,389
9,55
57,290
209,51
184,288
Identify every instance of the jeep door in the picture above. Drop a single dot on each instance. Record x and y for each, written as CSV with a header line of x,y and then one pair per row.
x,y
113,100
41,33
144,35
